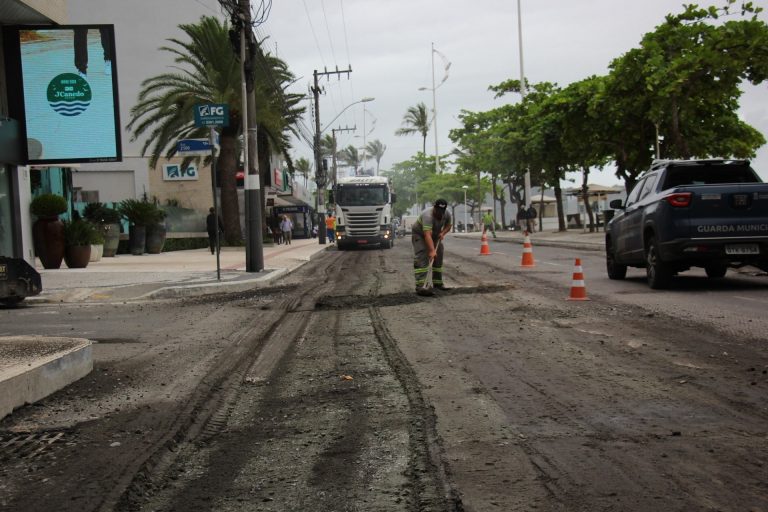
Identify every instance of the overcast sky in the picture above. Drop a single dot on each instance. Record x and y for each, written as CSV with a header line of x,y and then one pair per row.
x,y
387,44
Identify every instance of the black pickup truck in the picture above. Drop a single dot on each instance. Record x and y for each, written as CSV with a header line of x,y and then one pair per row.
x,y
690,213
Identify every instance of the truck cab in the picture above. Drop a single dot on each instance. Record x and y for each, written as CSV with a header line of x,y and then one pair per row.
x,y
363,211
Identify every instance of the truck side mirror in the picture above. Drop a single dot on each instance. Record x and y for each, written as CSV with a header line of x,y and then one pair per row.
x,y
330,197
616,204
394,197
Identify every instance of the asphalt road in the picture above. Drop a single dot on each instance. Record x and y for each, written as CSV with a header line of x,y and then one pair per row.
x,y
340,389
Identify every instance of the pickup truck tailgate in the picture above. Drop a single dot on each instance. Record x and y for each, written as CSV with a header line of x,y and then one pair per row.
x,y
730,211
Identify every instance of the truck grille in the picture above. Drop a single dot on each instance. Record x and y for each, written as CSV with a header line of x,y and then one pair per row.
x,y
362,224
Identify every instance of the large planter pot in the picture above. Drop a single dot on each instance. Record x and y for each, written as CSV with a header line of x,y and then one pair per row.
x,y
96,252
48,237
137,240
77,256
155,238
111,234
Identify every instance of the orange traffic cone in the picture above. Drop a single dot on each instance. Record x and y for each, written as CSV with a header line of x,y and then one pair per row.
x,y
578,290
485,250
527,252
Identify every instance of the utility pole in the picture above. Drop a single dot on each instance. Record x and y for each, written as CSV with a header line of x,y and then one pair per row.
x,y
333,134
254,248
434,110
527,180
320,175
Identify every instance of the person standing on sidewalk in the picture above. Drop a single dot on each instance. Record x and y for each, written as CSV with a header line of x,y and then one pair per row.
x,y
488,223
330,227
286,226
210,226
427,235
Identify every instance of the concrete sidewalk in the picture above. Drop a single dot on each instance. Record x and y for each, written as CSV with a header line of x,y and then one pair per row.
x,y
170,274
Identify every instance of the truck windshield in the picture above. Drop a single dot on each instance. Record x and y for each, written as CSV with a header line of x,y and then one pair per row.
x,y
361,196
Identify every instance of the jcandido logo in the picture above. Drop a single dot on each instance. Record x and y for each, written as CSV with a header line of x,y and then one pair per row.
x,y
69,94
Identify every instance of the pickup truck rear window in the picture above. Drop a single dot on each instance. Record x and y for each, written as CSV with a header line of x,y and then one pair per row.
x,y
709,174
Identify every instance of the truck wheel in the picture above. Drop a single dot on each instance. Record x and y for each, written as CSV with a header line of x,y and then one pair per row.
x,y
615,270
716,270
11,302
659,273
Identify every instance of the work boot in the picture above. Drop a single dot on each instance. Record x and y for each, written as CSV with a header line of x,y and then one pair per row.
x,y
425,292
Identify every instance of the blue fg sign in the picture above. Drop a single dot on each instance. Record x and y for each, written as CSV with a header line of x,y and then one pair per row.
x,y
212,114
174,172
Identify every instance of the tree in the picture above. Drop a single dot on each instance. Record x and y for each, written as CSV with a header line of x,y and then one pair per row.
x,y
406,176
350,156
416,120
375,149
303,167
208,72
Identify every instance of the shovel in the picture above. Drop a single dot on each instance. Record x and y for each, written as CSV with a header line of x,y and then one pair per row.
x,y
428,281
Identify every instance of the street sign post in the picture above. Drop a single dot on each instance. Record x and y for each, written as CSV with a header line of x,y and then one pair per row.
x,y
194,147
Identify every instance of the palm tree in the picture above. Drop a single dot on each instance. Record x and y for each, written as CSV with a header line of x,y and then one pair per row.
x,y
375,149
350,156
303,167
209,72
416,120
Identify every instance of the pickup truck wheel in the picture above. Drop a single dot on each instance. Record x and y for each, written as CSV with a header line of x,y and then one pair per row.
x,y
716,270
659,273
615,270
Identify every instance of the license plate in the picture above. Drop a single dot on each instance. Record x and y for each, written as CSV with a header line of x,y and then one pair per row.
x,y
742,249
362,241
3,271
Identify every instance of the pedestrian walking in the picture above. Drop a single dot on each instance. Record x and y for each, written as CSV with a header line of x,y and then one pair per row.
x,y
330,227
427,236
488,223
277,232
211,225
286,226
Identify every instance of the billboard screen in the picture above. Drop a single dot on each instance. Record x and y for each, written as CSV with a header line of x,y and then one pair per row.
x,y
66,92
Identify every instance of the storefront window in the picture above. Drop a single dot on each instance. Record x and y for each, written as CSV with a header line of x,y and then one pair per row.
x,y
6,229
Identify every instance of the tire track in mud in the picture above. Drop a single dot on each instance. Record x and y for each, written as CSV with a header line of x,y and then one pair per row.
x,y
207,413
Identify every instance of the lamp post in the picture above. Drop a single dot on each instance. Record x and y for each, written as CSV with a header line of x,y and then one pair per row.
x,y
465,187
527,179
434,98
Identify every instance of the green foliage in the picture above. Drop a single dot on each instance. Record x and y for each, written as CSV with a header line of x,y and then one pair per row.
x,y
99,213
406,176
48,205
140,213
81,232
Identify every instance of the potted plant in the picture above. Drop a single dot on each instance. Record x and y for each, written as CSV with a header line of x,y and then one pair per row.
x,y
78,235
107,221
97,244
156,232
48,230
139,214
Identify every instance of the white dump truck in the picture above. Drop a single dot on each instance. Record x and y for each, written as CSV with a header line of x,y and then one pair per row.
x,y
363,211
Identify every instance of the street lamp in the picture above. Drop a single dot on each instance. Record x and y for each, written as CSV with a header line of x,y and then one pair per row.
x,y
434,98
364,100
465,187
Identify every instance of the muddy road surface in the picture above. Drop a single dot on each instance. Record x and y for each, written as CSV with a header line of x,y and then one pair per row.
x,y
341,390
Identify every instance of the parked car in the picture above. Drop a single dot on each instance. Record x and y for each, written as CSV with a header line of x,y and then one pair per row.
x,y
690,213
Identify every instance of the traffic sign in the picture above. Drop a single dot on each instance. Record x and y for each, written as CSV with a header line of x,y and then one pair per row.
x,y
193,147
212,114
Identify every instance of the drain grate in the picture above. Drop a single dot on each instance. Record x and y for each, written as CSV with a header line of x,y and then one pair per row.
x,y
29,445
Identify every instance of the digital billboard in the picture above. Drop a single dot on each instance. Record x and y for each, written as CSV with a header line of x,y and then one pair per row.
x,y
64,92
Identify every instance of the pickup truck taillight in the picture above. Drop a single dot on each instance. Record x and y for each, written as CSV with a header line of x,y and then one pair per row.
x,y
680,199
